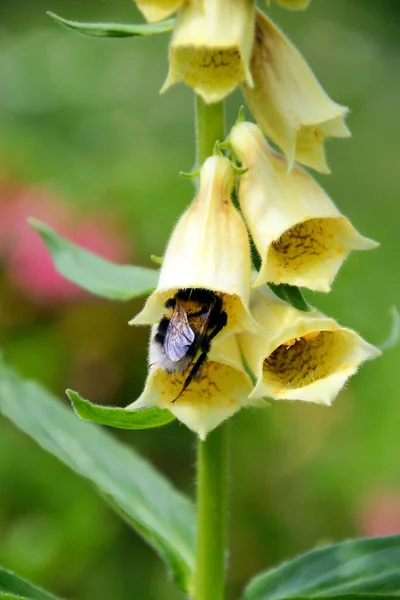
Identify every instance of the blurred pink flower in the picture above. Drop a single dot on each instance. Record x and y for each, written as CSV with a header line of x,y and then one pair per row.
x,y
24,255
380,514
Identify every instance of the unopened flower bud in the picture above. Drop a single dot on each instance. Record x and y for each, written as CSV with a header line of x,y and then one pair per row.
x,y
301,236
287,100
211,47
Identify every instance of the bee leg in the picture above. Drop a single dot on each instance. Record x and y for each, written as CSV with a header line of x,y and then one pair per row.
x,y
194,372
205,348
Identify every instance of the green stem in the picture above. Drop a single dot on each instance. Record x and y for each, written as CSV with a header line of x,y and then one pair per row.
x,y
210,127
212,467
212,456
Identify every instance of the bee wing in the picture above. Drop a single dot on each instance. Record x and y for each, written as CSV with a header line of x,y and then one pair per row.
x,y
179,336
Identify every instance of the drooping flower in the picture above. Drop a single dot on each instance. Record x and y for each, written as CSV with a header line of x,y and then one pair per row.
x,y
303,355
292,4
301,236
208,249
287,100
211,47
207,261
220,392
157,10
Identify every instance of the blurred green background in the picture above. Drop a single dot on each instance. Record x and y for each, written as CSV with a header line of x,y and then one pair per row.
x,y
86,139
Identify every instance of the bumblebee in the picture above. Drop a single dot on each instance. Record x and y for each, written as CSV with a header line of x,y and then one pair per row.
x,y
183,337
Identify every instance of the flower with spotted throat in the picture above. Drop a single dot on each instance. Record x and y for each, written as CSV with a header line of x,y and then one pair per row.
x,y
208,252
287,100
302,355
221,391
157,10
301,236
211,47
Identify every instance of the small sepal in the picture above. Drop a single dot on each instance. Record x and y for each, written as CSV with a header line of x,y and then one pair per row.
x,y
156,259
114,29
144,418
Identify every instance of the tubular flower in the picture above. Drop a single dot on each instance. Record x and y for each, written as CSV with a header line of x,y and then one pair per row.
x,y
211,47
303,355
219,393
288,102
157,10
292,4
208,249
301,236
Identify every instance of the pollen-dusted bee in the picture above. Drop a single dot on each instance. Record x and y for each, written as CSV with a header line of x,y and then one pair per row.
x,y
195,318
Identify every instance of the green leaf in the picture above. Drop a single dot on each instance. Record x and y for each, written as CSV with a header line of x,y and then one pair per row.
x,y
290,294
12,586
119,417
364,566
95,274
114,29
162,515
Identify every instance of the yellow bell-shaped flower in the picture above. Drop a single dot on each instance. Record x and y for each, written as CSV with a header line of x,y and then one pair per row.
x,y
287,100
302,355
157,10
211,47
220,391
301,236
208,249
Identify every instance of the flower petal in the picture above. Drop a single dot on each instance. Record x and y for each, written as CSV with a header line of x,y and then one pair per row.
x,y
287,100
218,394
157,10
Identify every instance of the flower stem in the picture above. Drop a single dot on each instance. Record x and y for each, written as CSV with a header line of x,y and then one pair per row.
x,y
212,454
210,127
212,467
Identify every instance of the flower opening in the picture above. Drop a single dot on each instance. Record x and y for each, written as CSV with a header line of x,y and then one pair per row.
x,y
302,356
218,393
211,47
